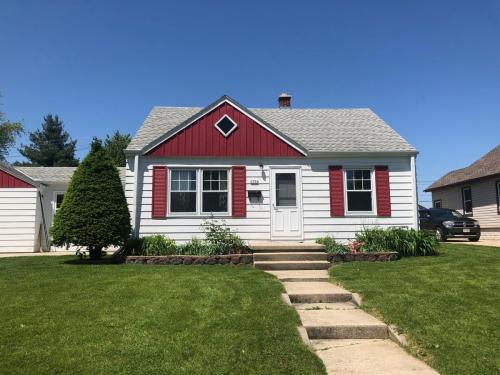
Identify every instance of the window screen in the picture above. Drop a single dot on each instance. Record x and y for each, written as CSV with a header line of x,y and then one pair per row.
x,y
286,189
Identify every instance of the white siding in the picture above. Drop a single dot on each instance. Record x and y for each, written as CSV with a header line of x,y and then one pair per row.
x,y
18,208
484,203
315,190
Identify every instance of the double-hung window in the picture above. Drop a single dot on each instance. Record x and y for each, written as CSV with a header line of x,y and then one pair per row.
x,y
467,200
214,191
359,191
438,203
199,191
58,199
183,191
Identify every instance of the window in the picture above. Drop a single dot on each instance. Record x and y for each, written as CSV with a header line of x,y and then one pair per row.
x,y
199,191
286,190
225,125
498,197
58,199
467,200
359,190
183,191
214,191
438,203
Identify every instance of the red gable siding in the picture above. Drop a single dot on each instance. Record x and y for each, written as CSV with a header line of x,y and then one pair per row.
x,y
9,181
202,138
383,190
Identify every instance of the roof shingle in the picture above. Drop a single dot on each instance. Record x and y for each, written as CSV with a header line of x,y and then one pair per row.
x,y
488,165
316,130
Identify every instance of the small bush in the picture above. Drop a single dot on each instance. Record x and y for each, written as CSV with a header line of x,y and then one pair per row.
x,y
407,242
332,246
220,239
133,246
195,247
158,245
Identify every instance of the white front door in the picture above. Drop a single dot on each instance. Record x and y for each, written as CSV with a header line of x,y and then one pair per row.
x,y
286,203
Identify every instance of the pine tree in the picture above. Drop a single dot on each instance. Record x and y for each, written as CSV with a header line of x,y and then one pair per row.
x,y
115,146
51,146
94,212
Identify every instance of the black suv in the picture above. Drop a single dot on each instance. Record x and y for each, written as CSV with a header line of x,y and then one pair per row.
x,y
449,223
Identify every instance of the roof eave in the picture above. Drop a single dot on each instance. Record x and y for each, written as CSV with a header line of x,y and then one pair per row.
x,y
461,182
363,153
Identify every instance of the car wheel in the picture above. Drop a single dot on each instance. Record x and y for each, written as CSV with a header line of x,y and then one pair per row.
x,y
473,239
440,235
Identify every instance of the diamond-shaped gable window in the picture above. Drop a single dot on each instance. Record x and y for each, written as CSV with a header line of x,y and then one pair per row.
x,y
225,125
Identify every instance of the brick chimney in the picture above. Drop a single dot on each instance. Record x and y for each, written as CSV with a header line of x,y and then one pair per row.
x,y
284,100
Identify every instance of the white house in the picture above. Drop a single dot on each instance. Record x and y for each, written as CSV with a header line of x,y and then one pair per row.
x,y
271,174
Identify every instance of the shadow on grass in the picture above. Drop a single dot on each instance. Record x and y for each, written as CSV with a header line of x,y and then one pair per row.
x,y
92,262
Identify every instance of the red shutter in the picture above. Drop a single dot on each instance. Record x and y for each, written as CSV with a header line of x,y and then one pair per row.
x,y
336,176
239,179
159,204
383,190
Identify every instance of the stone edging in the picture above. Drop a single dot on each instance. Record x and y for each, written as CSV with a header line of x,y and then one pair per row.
x,y
369,257
190,259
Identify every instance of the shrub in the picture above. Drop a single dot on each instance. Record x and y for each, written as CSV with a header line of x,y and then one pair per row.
x,y
133,246
196,247
332,246
158,245
220,239
94,212
407,242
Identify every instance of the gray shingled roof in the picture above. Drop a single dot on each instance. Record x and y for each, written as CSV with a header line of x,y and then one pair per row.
x,y
56,174
488,165
316,130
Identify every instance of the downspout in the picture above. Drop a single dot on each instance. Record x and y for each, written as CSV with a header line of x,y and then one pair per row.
x,y
413,167
136,214
44,224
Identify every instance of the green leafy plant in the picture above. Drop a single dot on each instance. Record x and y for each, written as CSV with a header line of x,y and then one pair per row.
x,y
220,238
133,246
407,242
332,246
158,245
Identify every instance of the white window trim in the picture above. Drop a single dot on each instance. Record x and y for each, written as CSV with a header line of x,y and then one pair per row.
x,y
220,130
54,200
199,192
498,196
373,212
440,203
471,212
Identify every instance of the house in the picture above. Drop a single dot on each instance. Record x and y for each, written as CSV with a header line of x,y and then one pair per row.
x,y
29,198
474,191
271,174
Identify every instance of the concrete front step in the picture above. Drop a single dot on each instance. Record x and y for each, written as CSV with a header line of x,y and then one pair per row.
x,y
292,265
282,256
316,292
301,275
326,306
368,357
271,247
342,324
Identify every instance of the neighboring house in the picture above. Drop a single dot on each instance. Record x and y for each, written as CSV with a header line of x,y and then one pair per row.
x,y
29,198
474,191
271,174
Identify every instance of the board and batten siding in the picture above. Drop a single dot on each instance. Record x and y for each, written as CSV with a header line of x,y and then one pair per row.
x,y
317,220
484,203
18,208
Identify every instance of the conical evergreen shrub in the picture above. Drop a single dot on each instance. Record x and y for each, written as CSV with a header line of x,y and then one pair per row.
x,y
94,212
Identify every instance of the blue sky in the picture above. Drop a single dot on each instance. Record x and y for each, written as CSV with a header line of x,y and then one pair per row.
x,y
431,69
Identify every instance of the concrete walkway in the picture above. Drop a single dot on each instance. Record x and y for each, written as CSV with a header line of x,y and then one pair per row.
x,y
347,339
48,253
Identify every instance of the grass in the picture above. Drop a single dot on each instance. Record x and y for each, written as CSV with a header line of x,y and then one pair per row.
x,y
448,305
61,317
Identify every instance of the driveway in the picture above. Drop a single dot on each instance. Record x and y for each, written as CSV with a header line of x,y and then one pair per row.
x,y
482,242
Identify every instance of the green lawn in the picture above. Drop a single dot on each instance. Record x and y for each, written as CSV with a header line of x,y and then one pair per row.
x,y
447,305
63,318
